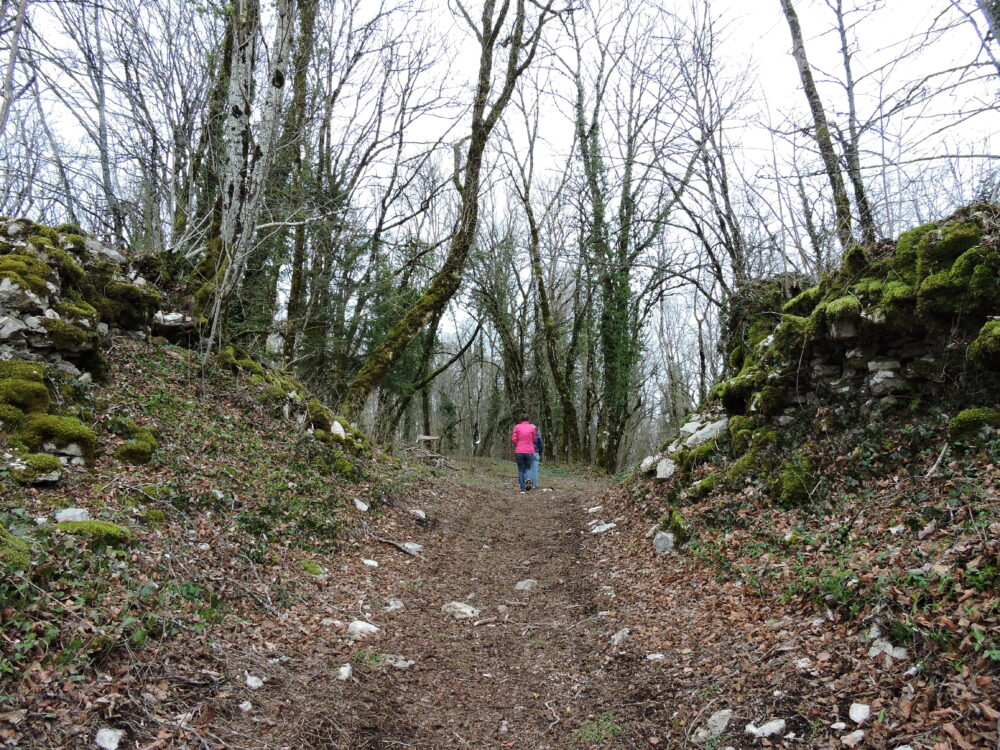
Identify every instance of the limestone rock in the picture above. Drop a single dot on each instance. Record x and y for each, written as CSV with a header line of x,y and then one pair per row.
x,y
392,604
361,505
345,672
619,638
528,584
689,428
72,514
859,712
109,739
397,661
412,548
420,515
460,610
853,739
338,430
97,248
647,464
13,296
878,365
706,433
885,382
844,328
602,527
665,469
360,627
9,326
663,542
768,729
254,683
714,728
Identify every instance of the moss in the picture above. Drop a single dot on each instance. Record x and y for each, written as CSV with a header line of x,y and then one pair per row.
x,y
708,485
789,336
27,395
248,365
69,269
13,551
736,392
37,464
848,307
16,369
311,568
227,357
976,279
97,532
77,310
771,400
897,297
345,468
855,262
742,467
65,335
985,350
62,431
319,417
673,522
69,228
129,305
154,516
50,234
794,482
869,287
936,295
136,451
938,250
688,460
966,424
10,417
26,271
275,393
740,432
906,248
803,303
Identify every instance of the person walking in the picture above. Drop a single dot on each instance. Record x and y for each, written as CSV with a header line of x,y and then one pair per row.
x,y
523,438
536,458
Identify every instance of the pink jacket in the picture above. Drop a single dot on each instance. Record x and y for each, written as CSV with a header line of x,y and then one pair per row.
x,y
523,438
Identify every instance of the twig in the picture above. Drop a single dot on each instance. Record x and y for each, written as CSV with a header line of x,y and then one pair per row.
x,y
555,716
398,546
934,468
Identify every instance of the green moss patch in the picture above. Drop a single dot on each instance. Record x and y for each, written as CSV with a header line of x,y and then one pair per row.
x,y
311,568
13,551
985,350
97,532
794,482
968,423
27,271
28,396
37,465
37,429
15,369
67,336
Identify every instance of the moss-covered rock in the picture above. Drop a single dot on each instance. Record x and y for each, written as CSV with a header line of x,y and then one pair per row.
x,y
26,271
13,551
794,481
803,303
319,415
740,433
67,336
37,429
770,400
128,305
10,417
101,533
843,308
938,249
311,568
28,396
906,249
672,521
855,262
970,422
36,467
15,369
708,485
985,350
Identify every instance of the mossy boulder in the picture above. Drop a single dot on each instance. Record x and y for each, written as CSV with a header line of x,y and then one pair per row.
x,y
26,271
37,467
740,433
319,415
794,481
968,424
770,400
103,533
672,521
708,485
844,308
803,303
37,429
67,336
10,417
15,369
14,554
985,350
128,305
938,249
29,396
906,248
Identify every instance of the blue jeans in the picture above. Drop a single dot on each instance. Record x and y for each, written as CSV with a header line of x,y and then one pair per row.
x,y
523,467
535,459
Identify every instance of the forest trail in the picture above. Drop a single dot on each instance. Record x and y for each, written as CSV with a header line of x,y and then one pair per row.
x,y
533,669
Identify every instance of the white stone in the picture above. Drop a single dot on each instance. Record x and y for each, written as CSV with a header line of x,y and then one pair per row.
x,y
12,295
838,726
620,637
360,627
49,477
595,509
102,328
879,365
108,739
361,505
706,433
769,729
689,428
370,563
665,469
601,528
397,661
884,382
460,610
528,584
338,429
10,326
663,542
392,604
859,712
853,739
254,683
656,657
246,707
648,463
714,728
95,247
803,664
345,672
72,514
418,514
51,314
412,548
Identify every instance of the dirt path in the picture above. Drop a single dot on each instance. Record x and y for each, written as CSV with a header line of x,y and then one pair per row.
x,y
534,669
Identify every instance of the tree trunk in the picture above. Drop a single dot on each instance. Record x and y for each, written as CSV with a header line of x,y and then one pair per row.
x,y
841,203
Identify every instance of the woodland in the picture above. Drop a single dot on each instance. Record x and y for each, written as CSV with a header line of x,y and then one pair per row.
x,y
436,215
